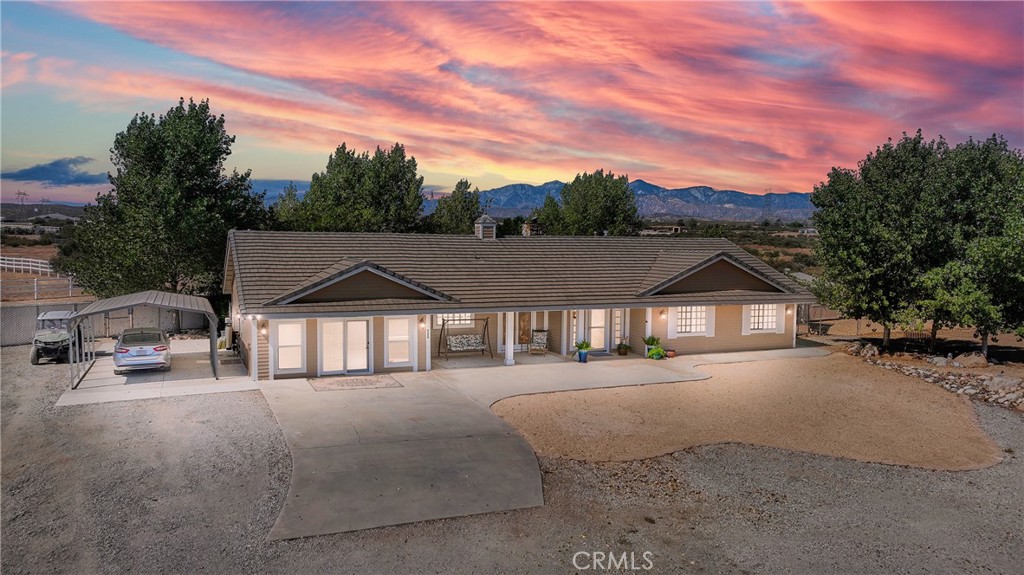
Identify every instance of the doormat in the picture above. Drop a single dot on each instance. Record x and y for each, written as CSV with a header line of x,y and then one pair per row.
x,y
600,354
343,382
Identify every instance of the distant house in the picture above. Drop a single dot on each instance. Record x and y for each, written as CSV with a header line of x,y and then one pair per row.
x,y
661,231
808,231
309,304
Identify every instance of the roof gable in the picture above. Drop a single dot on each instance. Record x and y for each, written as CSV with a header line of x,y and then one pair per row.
x,y
718,272
359,281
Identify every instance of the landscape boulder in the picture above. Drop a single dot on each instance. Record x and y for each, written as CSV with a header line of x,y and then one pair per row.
x,y
855,348
869,350
972,359
1002,382
938,360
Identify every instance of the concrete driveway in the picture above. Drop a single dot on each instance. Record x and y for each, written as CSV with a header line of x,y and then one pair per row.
x,y
367,458
432,448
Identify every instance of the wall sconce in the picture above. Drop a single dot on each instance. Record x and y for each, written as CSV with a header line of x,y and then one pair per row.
x,y
663,314
423,323
263,327
574,314
789,310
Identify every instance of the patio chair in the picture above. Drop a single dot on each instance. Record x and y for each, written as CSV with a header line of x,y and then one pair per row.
x,y
539,342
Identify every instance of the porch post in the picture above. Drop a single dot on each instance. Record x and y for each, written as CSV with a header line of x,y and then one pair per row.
x,y
510,335
254,346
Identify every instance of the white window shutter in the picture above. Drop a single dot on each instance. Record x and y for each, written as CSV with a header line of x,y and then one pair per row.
x,y
709,316
745,321
673,322
780,318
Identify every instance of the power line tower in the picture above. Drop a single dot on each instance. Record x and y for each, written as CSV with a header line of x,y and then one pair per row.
x,y
45,201
21,197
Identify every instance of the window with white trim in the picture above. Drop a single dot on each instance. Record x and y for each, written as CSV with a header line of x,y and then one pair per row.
x,y
397,341
764,317
691,319
291,344
455,319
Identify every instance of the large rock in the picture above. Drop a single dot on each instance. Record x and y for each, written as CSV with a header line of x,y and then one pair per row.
x,y
938,360
869,350
855,348
1003,381
972,359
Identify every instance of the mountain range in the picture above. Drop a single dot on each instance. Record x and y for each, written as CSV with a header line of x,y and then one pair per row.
x,y
657,202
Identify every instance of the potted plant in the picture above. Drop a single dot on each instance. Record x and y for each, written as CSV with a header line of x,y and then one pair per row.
x,y
623,347
582,347
656,352
650,342
670,353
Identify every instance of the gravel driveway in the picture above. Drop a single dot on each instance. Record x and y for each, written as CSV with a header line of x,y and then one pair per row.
x,y
193,484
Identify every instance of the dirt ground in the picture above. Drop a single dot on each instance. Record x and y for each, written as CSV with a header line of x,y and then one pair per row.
x,y
193,484
866,414
35,252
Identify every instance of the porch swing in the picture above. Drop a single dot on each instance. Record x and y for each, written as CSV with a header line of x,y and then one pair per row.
x,y
465,342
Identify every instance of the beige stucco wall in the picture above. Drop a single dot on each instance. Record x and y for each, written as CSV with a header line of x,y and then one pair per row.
x,y
728,334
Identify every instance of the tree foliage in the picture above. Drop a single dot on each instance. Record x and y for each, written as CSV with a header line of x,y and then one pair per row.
x,y
287,211
921,232
364,193
592,204
164,224
456,212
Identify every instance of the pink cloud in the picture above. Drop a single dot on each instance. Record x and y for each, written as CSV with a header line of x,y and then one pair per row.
x,y
731,95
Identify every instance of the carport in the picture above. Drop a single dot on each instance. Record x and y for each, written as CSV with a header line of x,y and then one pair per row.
x,y
82,353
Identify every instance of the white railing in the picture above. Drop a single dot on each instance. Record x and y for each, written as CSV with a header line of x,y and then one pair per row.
x,y
28,266
38,288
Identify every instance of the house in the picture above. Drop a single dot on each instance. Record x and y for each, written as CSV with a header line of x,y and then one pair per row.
x,y
809,232
309,303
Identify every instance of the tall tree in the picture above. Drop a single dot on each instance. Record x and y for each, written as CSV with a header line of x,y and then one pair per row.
x,y
456,212
872,233
164,224
592,204
288,213
364,193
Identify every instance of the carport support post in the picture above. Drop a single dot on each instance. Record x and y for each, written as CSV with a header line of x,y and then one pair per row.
x,y
510,334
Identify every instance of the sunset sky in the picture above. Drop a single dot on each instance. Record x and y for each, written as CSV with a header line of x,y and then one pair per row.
x,y
745,96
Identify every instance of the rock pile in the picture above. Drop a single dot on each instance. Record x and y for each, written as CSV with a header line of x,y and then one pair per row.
x,y
1000,389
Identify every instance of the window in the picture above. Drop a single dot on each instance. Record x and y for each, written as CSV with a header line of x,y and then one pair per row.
x,y
691,319
455,319
763,317
399,350
291,341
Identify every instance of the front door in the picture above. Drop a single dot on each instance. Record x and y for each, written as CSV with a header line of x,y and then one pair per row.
x,y
597,329
344,346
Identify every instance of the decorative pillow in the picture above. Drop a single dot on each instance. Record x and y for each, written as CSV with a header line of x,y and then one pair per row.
x,y
540,339
465,342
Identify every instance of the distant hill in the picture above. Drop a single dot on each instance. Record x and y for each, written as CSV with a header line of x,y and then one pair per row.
x,y
657,202
18,213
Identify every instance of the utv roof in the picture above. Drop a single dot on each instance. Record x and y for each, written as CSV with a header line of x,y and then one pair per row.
x,y
56,315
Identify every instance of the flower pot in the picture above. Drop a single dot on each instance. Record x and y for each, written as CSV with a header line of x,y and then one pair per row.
x,y
670,353
623,350
583,356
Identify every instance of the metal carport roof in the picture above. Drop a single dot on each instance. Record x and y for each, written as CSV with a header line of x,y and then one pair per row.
x,y
165,300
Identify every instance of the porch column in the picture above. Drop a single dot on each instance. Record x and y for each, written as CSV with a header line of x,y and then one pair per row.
x,y
254,346
510,338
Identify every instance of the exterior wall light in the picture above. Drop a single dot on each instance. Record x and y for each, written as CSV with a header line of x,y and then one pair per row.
x,y
663,314
263,330
423,323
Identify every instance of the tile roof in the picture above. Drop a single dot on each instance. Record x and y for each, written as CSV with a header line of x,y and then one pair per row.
x,y
537,272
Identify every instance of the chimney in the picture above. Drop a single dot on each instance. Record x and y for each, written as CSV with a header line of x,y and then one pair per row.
x,y
485,228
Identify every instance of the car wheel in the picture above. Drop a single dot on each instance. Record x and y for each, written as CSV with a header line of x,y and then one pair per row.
x,y
33,357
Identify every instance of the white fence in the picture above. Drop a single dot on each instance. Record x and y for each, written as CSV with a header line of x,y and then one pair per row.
x,y
38,288
27,266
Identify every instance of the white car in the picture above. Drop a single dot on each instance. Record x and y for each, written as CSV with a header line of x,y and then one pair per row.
x,y
142,348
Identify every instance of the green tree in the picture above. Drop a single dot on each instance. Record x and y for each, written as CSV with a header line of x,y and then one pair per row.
x,y
511,226
457,211
165,222
872,233
592,204
288,213
549,217
364,193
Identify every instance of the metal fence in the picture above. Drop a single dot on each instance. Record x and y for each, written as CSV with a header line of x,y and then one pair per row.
x,y
21,289
18,321
27,266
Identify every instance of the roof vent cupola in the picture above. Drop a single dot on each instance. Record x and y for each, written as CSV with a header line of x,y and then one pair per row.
x,y
485,228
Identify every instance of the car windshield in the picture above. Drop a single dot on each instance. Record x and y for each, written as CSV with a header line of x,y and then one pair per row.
x,y
53,324
140,338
